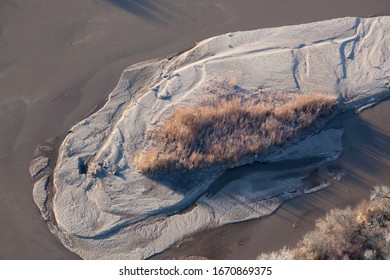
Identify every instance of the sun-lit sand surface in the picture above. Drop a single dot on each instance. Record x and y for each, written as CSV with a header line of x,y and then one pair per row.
x,y
58,59
103,207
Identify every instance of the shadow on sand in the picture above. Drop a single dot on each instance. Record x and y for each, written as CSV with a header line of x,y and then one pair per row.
x,y
152,11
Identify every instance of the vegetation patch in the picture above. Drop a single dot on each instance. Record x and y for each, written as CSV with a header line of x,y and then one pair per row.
x,y
353,233
228,127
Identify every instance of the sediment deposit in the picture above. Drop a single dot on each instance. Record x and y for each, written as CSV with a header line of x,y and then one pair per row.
x,y
105,208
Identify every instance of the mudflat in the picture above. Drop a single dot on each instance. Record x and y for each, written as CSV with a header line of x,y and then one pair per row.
x,y
58,59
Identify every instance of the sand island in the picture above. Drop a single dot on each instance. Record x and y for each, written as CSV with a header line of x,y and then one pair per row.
x,y
136,177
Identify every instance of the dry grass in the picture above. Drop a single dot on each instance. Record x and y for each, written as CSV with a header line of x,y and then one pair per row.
x,y
227,128
359,233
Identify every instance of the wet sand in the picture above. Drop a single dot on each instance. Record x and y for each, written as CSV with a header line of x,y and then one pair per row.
x,y
58,59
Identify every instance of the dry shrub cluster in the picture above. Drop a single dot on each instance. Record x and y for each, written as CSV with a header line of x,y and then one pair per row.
x,y
359,233
226,129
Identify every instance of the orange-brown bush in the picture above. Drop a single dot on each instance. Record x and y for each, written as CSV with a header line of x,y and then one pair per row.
x,y
227,129
359,233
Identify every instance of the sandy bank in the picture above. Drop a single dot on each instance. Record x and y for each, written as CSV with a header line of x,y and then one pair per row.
x,y
101,200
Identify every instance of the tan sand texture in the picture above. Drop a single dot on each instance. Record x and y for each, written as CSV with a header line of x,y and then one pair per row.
x,y
105,208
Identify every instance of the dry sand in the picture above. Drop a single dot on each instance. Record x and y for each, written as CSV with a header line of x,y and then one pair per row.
x,y
105,208
58,59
